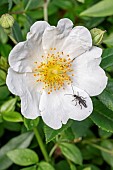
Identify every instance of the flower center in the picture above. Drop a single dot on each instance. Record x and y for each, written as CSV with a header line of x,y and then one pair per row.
x,y
55,71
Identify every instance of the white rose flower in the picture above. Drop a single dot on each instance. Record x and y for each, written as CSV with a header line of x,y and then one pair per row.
x,y
55,71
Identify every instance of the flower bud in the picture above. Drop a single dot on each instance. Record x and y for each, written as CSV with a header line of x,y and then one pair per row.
x,y
97,35
6,21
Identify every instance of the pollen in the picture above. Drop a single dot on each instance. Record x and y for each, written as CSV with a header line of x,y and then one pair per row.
x,y
35,75
55,71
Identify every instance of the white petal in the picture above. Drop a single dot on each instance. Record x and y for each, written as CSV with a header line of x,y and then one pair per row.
x,y
24,54
54,37
57,107
24,86
14,82
88,74
37,30
78,41
78,108
50,110
30,105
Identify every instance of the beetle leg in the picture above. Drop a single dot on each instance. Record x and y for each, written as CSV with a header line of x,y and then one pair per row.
x,y
83,97
73,99
76,102
80,104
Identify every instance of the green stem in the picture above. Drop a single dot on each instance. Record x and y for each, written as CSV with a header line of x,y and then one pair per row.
x,y
98,147
52,150
14,41
28,4
45,7
101,148
70,164
41,144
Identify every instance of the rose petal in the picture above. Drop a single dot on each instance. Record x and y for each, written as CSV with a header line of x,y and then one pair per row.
x,y
79,107
50,108
24,85
54,37
78,41
88,75
57,107
24,54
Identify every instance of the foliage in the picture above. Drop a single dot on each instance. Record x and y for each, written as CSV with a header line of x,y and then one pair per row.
x,y
85,145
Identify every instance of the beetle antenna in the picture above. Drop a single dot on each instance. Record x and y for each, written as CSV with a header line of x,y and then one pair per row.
x,y
68,94
72,89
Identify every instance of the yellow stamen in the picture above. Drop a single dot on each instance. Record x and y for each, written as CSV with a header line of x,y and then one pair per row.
x,y
54,72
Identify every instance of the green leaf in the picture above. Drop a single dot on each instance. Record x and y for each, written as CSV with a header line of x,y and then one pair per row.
x,y
5,49
102,116
31,123
52,8
107,58
72,167
90,152
3,63
93,167
88,168
67,135
107,96
8,106
107,99
17,32
63,4
1,130
30,168
99,107
82,1
2,77
21,141
109,87
36,14
108,157
61,165
12,126
50,133
10,4
93,22
109,40
45,166
29,5
71,152
23,157
12,116
3,8
3,2
3,36
101,9
79,129
4,92
104,134
16,1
